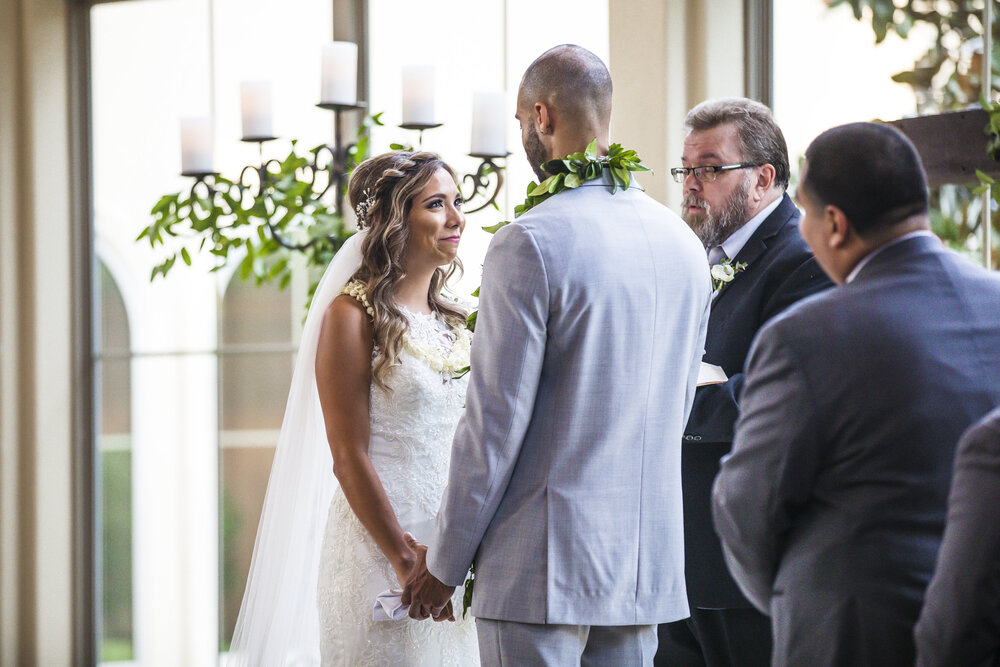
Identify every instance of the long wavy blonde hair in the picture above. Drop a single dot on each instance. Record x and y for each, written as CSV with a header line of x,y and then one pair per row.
x,y
390,182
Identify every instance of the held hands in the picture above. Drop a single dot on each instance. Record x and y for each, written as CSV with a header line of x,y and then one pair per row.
x,y
425,594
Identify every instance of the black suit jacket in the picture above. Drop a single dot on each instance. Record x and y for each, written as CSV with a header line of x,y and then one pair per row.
x,y
780,271
960,620
832,504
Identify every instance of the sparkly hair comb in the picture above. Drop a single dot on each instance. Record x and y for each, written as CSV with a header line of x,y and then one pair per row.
x,y
362,208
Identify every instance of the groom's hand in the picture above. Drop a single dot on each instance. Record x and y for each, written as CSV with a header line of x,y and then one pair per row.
x,y
425,594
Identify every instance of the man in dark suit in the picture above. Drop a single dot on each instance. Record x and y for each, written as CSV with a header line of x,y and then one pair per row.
x,y
832,503
960,621
735,174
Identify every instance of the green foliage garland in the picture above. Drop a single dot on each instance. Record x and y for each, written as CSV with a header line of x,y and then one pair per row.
x,y
227,217
571,172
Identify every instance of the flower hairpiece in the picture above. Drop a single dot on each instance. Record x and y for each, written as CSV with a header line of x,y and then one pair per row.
x,y
362,208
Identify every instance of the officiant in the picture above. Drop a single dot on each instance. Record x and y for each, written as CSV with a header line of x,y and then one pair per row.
x,y
735,172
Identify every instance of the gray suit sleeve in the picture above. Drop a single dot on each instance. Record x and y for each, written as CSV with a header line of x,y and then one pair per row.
x,y
960,620
507,356
771,469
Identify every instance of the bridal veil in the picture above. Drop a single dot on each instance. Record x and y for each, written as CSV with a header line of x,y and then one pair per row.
x,y
278,623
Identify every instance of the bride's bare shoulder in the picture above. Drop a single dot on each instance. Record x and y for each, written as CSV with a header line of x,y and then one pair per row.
x,y
347,326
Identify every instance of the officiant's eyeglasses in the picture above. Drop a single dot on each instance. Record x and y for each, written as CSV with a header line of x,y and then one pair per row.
x,y
707,174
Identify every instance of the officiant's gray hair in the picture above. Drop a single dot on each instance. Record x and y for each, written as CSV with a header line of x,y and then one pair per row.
x,y
571,78
761,140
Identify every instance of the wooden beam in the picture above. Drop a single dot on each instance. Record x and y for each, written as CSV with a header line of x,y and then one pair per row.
x,y
952,145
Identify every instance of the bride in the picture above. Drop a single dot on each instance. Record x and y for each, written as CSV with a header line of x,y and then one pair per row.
x,y
374,397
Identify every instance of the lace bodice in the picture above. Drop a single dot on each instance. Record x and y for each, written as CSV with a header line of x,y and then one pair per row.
x,y
412,424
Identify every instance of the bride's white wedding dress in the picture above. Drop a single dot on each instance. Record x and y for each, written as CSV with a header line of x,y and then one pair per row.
x,y
411,432
315,570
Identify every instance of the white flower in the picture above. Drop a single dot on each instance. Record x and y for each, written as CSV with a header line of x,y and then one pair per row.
x,y
450,364
723,272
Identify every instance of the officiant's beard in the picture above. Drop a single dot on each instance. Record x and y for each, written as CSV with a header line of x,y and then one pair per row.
x,y
537,155
713,226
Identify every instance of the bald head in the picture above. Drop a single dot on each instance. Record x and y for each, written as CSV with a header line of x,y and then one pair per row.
x,y
574,81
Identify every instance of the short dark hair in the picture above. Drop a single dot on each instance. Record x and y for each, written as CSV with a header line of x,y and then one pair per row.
x,y
575,80
761,140
870,171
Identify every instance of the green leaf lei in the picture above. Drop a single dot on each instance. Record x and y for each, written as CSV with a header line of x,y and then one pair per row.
x,y
566,174
571,172
576,169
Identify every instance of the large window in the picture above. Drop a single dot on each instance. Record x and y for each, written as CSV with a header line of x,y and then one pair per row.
x,y
112,377
255,370
192,371
828,71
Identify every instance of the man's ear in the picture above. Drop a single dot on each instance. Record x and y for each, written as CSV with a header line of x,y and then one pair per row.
x,y
765,178
542,117
838,227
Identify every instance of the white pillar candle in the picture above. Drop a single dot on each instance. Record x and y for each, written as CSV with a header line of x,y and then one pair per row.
x,y
255,104
489,123
418,94
196,145
340,73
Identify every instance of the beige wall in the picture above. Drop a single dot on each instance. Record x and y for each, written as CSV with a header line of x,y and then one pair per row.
x,y
666,56
36,527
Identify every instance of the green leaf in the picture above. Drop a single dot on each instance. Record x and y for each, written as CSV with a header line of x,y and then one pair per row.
x,y
277,268
553,167
245,268
476,293
572,181
164,203
985,178
622,175
471,320
543,187
186,256
556,182
591,151
493,229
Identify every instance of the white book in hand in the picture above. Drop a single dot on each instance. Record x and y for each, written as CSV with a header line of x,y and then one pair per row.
x,y
710,374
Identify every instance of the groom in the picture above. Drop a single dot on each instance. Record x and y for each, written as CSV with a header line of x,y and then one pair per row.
x,y
564,486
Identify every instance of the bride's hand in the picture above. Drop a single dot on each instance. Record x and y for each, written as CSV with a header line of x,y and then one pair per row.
x,y
404,564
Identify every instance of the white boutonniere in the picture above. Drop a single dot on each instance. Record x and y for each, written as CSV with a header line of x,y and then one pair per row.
x,y
724,272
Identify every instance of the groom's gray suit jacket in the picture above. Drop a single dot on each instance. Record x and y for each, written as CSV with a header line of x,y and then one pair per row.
x,y
564,484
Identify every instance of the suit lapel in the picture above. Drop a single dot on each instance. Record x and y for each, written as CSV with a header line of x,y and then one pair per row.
x,y
758,242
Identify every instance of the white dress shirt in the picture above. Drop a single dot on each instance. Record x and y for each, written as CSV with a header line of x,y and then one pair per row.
x,y
739,238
